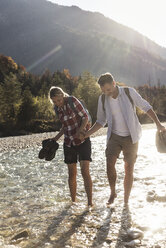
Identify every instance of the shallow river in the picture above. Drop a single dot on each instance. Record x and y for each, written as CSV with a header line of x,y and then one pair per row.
x,y
36,211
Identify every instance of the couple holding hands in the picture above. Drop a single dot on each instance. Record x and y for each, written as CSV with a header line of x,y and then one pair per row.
x,y
117,109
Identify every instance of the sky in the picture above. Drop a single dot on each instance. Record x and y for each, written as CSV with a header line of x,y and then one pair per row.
x,y
148,17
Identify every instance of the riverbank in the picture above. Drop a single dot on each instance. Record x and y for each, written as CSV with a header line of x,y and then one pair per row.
x,y
33,140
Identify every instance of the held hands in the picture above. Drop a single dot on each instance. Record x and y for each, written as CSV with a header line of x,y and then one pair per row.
x,y
80,135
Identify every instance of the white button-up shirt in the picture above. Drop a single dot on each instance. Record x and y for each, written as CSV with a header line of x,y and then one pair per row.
x,y
128,111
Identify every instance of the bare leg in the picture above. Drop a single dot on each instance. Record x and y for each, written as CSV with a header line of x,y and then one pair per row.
x,y
72,170
128,180
111,174
87,180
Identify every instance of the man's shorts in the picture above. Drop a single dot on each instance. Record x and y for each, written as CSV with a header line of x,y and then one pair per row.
x,y
117,143
77,153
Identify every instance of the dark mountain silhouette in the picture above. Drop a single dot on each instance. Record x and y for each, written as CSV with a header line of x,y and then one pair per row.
x,y
39,35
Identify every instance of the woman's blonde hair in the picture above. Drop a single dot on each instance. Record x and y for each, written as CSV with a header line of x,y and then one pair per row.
x,y
56,91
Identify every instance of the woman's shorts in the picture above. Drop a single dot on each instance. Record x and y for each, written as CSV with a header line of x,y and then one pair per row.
x,y
77,153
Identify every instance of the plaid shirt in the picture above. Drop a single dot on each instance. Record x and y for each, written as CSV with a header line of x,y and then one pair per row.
x,y
71,121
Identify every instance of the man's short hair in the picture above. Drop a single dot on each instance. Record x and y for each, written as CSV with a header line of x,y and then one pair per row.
x,y
105,78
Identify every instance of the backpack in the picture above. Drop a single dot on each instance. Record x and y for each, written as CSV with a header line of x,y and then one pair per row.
x,y
126,89
70,101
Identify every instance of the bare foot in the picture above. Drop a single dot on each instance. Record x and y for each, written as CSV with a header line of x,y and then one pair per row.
x,y
90,207
112,198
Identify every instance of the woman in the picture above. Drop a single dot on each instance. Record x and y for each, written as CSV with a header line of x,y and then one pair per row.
x,y
76,148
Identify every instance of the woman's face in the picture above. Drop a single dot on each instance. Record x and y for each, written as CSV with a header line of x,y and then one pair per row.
x,y
58,100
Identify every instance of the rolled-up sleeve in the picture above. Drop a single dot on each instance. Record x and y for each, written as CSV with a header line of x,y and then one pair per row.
x,y
139,101
101,115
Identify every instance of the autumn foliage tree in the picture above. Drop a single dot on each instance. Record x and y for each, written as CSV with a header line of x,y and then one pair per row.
x,y
24,100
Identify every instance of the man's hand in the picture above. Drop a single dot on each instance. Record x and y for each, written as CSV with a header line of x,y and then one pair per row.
x,y
161,128
154,117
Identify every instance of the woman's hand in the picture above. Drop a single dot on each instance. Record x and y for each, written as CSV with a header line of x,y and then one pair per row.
x,y
80,135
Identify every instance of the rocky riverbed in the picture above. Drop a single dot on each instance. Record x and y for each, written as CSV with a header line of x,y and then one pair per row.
x,y
35,207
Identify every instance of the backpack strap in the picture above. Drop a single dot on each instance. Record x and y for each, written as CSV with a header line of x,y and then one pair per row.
x,y
103,101
126,89
70,101
56,110
87,111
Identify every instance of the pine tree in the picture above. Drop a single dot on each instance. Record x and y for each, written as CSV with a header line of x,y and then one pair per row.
x,y
28,107
10,99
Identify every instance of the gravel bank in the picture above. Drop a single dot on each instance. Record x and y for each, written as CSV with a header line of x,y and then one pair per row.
x,y
32,140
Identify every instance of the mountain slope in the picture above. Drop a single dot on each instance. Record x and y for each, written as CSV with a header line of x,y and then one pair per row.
x,y
40,35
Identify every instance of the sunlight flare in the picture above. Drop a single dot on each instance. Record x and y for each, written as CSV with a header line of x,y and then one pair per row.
x,y
46,56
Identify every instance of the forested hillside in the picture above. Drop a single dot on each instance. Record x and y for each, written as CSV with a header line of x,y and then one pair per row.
x,y
24,104
40,35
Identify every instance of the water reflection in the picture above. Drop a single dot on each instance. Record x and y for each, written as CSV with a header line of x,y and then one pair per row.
x,y
34,196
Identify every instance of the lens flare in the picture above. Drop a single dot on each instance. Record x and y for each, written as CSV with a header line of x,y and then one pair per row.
x,y
46,56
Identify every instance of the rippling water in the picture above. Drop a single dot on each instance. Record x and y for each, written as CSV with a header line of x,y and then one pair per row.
x,y
34,196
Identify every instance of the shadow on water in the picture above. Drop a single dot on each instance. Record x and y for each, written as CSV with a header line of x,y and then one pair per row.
x,y
61,237
126,221
65,236
45,237
102,233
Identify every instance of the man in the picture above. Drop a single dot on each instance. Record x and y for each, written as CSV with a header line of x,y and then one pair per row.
x,y
124,130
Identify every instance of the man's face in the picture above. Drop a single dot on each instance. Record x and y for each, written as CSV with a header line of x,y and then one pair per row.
x,y
109,89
